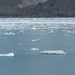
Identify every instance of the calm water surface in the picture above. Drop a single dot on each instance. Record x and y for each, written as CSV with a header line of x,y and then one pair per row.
x,y
27,37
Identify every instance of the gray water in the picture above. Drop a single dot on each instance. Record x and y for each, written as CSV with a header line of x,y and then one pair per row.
x,y
22,35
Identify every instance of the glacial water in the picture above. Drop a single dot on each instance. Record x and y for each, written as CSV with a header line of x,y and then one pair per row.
x,y
22,40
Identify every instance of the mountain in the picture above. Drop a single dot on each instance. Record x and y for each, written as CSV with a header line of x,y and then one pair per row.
x,y
18,3
9,8
37,8
32,2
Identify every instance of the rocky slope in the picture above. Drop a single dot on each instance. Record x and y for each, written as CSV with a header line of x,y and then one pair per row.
x,y
14,3
37,8
51,8
32,2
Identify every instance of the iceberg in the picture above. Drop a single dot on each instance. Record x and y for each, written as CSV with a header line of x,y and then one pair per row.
x,y
34,49
8,54
54,52
10,33
34,40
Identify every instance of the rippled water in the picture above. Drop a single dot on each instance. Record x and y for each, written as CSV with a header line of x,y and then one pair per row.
x,y
25,38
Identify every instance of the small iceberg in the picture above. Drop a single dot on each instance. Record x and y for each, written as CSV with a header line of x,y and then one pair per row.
x,y
8,54
34,49
20,43
34,40
10,33
54,52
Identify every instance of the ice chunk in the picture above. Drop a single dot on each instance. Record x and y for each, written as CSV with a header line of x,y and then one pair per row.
x,y
8,54
10,33
34,40
54,52
34,49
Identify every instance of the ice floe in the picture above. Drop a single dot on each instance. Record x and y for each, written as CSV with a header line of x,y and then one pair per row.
x,y
10,33
8,54
20,43
40,25
35,40
34,49
53,52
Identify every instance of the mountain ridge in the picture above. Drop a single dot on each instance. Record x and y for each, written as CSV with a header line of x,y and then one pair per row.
x,y
41,8
32,2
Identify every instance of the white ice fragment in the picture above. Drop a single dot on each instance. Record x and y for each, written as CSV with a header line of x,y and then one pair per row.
x,y
34,49
10,33
51,31
34,40
8,54
54,52
20,43
33,28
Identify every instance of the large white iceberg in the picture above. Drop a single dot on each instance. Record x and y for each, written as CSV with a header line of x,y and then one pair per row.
x,y
8,54
53,52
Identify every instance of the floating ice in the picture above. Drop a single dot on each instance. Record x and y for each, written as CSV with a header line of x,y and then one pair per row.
x,y
53,52
8,54
20,43
10,33
34,40
33,28
38,25
34,49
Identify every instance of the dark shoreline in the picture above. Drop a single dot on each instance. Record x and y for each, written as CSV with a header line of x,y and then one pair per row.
x,y
37,17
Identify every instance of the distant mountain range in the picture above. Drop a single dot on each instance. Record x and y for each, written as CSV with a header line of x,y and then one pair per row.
x,y
31,2
23,3
37,8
